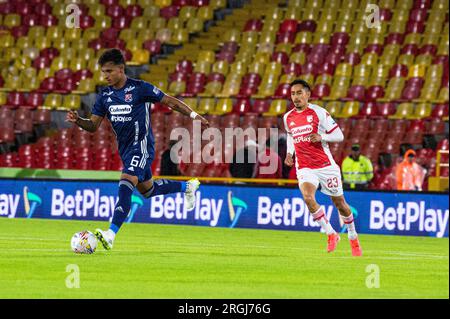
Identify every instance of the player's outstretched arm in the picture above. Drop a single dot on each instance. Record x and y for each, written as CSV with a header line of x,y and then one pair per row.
x,y
91,124
179,106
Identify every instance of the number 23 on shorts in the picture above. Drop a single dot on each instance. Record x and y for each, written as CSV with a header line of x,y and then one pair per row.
x,y
332,182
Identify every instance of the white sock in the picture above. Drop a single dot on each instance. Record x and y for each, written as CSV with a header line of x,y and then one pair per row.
x,y
111,233
349,222
319,216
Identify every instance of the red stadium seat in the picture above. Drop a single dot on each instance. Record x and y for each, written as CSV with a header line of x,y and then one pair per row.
x,y
242,106
34,100
15,100
395,38
339,38
260,106
283,91
289,25
352,58
440,111
292,68
253,25
307,25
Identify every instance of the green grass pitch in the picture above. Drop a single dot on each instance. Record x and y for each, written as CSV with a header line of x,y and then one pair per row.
x,y
168,261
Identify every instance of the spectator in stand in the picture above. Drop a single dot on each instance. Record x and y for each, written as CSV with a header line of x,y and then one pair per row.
x,y
243,164
168,167
409,174
267,159
357,170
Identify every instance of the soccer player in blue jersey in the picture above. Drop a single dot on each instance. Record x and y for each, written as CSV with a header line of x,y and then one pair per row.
x,y
126,103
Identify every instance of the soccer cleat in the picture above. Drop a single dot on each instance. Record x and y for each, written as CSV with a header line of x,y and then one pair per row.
x,y
333,239
356,247
191,188
104,238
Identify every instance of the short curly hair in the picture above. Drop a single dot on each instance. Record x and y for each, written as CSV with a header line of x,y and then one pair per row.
x,y
111,55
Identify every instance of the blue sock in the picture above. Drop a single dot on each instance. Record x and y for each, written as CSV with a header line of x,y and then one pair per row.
x,y
165,186
123,206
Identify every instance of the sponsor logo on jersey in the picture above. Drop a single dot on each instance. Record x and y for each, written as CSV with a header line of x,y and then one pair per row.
x,y
309,118
129,89
302,130
128,97
119,109
109,100
156,90
292,123
108,93
120,119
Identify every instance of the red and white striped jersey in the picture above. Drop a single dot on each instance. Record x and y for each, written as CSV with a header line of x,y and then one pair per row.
x,y
314,119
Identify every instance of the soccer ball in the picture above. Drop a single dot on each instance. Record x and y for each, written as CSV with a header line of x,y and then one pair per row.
x,y
84,242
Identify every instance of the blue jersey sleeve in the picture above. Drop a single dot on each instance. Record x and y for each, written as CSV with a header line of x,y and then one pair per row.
x,y
151,93
99,108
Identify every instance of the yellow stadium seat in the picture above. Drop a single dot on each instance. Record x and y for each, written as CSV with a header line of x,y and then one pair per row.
x,y
91,34
85,86
323,38
179,37
140,57
217,4
3,98
397,26
429,92
293,13
175,23
206,56
22,62
364,81
343,26
138,23
24,42
191,102
325,26
145,34
206,106
194,25
163,35
333,107
349,109
52,102
303,37
277,107
223,106
403,111
96,10
145,3
310,14
417,70
163,3
394,89
68,53
343,69
231,87
369,59
187,12
70,102
77,64
6,41
59,63
205,13
232,35
211,89
422,110
424,59
324,79
102,22
126,3
287,78
72,34
239,68
406,59
59,9
443,95
176,88
151,11
44,73
257,67
413,38
220,67
12,20
12,83
133,44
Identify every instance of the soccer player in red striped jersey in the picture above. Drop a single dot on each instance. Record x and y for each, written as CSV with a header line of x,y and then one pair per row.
x,y
309,128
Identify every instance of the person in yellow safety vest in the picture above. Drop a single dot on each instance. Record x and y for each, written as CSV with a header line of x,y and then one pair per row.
x,y
357,170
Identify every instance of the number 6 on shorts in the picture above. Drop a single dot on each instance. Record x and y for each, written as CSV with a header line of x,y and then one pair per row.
x,y
135,161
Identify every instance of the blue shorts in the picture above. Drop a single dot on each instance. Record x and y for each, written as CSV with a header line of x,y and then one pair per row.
x,y
137,162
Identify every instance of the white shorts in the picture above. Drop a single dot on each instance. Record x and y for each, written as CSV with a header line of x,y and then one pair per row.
x,y
329,178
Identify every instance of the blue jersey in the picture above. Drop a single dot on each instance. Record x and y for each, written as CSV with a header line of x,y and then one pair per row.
x,y
128,110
